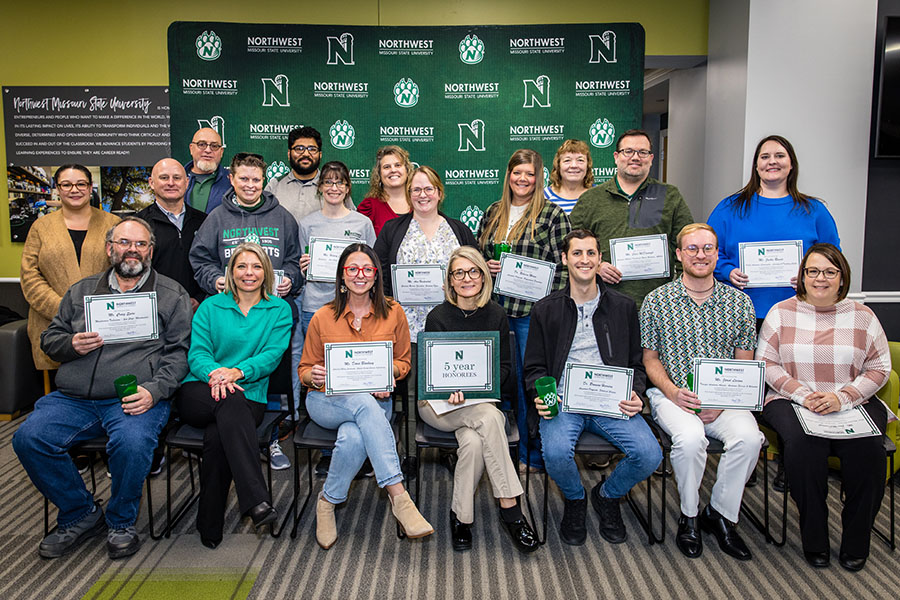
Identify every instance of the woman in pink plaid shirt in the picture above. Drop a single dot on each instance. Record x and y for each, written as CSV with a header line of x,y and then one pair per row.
x,y
827,353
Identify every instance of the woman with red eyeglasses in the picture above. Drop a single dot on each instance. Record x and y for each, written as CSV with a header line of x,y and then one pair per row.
x,y
360,312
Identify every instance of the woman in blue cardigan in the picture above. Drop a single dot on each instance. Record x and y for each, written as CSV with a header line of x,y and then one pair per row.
x,y
237,340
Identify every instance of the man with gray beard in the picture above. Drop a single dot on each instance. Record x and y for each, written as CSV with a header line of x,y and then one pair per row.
x,y
207,179
86,404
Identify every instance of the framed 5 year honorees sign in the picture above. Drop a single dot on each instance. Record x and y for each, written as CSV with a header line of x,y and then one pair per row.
x,y
459,361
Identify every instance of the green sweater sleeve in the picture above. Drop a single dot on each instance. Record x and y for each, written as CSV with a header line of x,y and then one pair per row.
x,y
201,360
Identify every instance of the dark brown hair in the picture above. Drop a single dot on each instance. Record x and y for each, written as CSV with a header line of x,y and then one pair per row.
x,y
381,305
744,197
77,167
835,257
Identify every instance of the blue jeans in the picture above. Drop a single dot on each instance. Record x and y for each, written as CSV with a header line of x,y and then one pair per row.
x,y
297,342
59,422
632,436
519,326
363,430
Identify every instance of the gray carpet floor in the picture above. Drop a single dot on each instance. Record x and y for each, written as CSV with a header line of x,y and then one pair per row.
x,y
369,561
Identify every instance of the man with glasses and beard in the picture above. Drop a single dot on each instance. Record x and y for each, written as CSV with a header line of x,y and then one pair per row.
x,y
86,403
207,179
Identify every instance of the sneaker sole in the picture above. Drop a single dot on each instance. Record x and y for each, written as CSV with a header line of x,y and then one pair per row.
x,y
123,552
86,535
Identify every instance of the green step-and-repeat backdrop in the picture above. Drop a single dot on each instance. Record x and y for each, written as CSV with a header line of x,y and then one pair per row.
x,y
460,99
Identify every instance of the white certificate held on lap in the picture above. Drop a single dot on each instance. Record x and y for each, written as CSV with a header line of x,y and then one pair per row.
x,y
770,264
359,367
730,384
418,284
596,389
324,254
641,257
120,318
841,425
524,278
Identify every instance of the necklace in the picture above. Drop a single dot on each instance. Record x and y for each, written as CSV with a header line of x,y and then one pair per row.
x,y
466,315
698,291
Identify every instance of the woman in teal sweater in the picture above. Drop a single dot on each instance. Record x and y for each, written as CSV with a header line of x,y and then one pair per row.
x,y
237,340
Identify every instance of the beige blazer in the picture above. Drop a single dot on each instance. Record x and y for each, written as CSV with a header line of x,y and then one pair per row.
x,y
50,267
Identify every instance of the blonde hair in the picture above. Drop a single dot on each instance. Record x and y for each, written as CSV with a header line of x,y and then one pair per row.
x,y
268,272
433,178
376,185
495,229
691,228
573,147
473,255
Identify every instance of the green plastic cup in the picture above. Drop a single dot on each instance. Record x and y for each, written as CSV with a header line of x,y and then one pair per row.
x,y
546,389
126,385
499,249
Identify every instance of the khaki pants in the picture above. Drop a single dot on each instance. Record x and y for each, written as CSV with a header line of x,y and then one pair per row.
x,y
481,433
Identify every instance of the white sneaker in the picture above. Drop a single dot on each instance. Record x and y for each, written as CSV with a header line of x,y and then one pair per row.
x,y
277,458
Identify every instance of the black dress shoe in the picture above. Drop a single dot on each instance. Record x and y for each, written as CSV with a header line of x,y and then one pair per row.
x,y
209,543
850,563
522,535
688,538
460,534
818,560
729,539
263,514
612,528
572,530
448,459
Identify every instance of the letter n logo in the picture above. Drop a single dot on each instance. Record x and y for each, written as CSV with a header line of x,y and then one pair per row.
x,y
459,355
328,247
603,46
588,374
471,136
630,246
340,49
410,273
720,371
217,123
761,252
519,265
111,305
348,353
537,91
275,91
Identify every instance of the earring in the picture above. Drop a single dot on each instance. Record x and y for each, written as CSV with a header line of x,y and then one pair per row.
x,y
343,289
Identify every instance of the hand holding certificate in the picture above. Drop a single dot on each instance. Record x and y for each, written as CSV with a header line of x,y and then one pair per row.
x,y
596,390
418,284
524,278
359,367
729,384
770,264
641,257
841,425
120,318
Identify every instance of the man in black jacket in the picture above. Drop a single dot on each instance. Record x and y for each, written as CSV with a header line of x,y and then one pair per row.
x,y
174,224
588,324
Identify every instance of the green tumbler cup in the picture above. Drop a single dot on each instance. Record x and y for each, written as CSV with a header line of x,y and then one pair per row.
x,y
546,389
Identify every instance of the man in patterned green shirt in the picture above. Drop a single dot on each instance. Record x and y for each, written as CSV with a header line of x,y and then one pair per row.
x,y
697,316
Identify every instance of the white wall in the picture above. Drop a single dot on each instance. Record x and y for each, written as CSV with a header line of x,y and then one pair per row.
x,y
687,118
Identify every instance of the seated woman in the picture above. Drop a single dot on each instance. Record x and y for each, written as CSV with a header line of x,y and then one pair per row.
x,y
480,428
359,313
852,362
237,340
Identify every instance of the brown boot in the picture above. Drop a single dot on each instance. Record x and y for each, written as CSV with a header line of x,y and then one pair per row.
x,y
411,520
326,529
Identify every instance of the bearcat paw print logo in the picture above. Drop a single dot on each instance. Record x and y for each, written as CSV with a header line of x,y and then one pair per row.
x,y
471,50
471,216
406,93
276,170
602,133
342,134
209,45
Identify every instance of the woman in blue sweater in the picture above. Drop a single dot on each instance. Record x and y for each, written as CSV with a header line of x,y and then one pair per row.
x,y
237,339
769,208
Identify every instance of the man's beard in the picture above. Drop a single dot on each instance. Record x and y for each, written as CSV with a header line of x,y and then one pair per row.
x,y
207,166
301,170
126,270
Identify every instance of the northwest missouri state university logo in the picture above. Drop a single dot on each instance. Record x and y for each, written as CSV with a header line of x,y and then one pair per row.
x,y
544,45
209,45
602,87
275,91
471,216
340,89
471,50
471,136
276,170
602,133
603,47
405,133
537,133
397,47
471,176
276,44
271,131
537,91
193,86
215,123
340,49
406,93
342,134
470,90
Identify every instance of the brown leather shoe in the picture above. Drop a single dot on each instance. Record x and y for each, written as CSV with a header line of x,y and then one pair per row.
x,y
411,520
326,528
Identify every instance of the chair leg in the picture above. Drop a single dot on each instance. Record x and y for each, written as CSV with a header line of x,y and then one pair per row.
x,y
418,471
172,521
292,508
646,520
761,526
309,478
153,535
888,538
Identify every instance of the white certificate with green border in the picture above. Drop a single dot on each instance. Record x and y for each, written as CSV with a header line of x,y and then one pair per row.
x,y
524,278
840,425
120,318
352,367
324,254
418,284
641,257
729,383
596,389
770,264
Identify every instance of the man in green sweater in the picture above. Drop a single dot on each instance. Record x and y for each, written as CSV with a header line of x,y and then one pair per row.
x,y
632,204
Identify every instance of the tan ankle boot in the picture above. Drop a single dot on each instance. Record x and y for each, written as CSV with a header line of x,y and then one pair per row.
x,y
326,529
411,520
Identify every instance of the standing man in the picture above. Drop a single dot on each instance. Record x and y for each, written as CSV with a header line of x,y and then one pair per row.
x,y
697,316
174,224
632,204
86,404
591,324
207,180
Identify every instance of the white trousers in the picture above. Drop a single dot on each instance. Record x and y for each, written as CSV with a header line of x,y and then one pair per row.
x,y
737,429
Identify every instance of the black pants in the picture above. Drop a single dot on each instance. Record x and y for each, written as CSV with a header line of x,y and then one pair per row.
x,y
230,451
863,468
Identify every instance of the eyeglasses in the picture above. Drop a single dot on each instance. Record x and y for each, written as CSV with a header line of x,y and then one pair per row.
x,y
629,152
211,145
693,250
474,274
301,149
829,273
418,191
368,271
126,244
68,185
334,183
